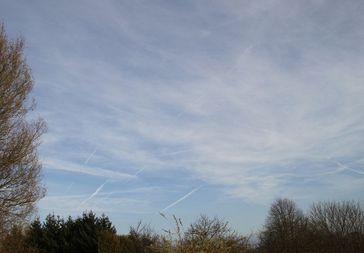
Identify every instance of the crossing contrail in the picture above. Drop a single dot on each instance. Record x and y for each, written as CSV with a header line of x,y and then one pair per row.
x,y
180,199
345,167
136,173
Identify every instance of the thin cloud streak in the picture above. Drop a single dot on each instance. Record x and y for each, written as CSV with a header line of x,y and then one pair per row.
x,y
93,194
89,157
181,199
107,195
55,164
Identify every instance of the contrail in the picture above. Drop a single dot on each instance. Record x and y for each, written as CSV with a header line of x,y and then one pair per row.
x,y
93,194
241,56
69,187
180,199
179,114
139,171
176,152
136,173
344,167
89,157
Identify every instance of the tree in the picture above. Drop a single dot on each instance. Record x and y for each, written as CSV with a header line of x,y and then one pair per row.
x,y
20,169
285,228
82,234
337,226
16,242
88,233
212,235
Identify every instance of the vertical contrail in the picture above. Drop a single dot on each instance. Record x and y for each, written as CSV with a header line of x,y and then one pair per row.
x,y
180,199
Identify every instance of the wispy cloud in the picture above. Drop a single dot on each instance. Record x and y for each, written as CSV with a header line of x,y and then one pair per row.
x,y
257,109
248,96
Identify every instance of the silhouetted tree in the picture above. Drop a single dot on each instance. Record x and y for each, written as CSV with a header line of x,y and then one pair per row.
x,y
337,227
49,236
83,234
285,229
35,237
15,241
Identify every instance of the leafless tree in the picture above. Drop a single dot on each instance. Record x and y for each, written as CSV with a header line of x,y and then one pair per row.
x,y
285,228
205,235
342,218
338,226
213,235
20,186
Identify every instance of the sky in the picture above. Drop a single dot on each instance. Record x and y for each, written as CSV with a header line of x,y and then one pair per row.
x,y
194,107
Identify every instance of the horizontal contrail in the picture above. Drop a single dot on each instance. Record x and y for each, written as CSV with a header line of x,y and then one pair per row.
x,y
176,152
183,198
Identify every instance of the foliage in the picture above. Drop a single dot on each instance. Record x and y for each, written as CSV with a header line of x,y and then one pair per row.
x,y
79,235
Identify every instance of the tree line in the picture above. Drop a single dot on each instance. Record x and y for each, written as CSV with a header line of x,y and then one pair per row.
x,y
335,227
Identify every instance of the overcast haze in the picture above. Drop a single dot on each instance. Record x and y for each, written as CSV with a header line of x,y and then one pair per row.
x,y
191,107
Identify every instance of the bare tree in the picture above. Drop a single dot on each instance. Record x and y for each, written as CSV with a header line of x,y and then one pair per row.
x,y
205,235
285,228
213,235
19,137
341,218
338,226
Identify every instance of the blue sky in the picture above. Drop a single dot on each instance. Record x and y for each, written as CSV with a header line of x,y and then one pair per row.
x,y
195,107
